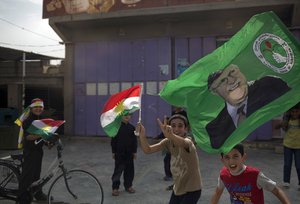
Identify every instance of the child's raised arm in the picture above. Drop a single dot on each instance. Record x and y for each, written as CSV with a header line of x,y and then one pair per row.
x,y
147,149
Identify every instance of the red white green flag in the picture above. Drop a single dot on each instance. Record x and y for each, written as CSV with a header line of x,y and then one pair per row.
x,y
118,105
45,127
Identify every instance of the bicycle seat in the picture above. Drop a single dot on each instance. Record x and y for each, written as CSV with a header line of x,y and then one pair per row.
x,y
18,156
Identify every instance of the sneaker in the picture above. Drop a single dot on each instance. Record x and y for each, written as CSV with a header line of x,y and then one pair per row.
x,y
286,184
115,192
130,190
40,196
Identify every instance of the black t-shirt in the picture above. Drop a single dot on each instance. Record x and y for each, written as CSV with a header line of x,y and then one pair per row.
x,y
30,144
125,142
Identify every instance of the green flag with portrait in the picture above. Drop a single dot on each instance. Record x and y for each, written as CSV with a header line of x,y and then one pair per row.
x,y
252,78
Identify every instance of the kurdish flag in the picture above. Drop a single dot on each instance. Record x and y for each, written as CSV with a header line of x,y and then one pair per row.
x,y
23,116
45,127
19,122
118,105
268,56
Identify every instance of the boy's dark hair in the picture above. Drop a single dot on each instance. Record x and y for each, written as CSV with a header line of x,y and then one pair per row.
x,y
297,106
178,116
239,148
287,115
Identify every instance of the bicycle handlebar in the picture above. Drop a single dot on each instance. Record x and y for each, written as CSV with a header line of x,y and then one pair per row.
x,y
58,142
59,145
59,148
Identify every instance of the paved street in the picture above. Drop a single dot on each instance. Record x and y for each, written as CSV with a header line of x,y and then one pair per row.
x,y
94,155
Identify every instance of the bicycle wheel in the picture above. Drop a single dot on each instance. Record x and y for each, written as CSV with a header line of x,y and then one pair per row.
x,y
79,187
9,179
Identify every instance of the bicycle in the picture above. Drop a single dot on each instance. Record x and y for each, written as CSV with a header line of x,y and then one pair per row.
x,y
70,186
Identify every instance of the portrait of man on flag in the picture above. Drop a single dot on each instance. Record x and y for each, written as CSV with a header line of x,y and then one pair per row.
x,y
242,98
241,85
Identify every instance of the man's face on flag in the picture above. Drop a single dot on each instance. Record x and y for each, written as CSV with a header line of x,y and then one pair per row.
x,y
231,85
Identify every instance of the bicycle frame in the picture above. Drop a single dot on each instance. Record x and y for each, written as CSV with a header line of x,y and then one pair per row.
x,y
57,170
54,169
9,193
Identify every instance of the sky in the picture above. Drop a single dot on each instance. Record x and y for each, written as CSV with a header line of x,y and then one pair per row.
x,y
22,28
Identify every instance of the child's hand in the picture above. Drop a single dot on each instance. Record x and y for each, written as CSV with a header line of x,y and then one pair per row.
x,y
139,129
165,128
48,144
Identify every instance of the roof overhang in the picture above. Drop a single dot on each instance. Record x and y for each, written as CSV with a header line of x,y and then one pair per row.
x,y
287,10
9,54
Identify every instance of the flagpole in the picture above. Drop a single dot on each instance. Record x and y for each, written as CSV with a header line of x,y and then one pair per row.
x,y
140,103
23,80
140,110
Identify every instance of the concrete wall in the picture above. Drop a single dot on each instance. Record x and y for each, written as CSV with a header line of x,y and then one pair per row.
x,y
37,74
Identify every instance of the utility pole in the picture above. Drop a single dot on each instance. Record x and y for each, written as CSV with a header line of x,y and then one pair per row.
x,y
23,80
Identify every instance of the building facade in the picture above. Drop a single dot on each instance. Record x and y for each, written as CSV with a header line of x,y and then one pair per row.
x,y
24,76
112,45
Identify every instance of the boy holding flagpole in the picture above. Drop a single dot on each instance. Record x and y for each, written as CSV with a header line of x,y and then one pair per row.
x,y
124,148
114,119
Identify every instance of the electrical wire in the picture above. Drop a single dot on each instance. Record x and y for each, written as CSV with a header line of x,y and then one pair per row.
x,y
51,51
41,35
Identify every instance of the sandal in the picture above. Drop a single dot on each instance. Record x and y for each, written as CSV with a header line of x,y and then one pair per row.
x,y
115,192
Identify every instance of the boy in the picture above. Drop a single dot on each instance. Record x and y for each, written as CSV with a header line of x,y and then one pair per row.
x,y
124,147
32,155
291,144
245,184
184,158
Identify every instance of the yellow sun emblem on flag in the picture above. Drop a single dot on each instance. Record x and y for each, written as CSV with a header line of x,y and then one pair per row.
x,y
46,128
120,107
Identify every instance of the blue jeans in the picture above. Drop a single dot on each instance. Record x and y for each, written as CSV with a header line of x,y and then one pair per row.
x,y
288,161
